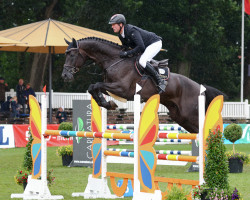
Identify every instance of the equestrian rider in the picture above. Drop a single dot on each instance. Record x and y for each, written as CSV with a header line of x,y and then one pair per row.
x,y
140,41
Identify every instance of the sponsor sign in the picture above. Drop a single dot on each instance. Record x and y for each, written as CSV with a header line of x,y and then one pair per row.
x,y
82,156
6,136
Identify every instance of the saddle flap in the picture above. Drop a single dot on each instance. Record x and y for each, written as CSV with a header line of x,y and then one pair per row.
x,y
160,66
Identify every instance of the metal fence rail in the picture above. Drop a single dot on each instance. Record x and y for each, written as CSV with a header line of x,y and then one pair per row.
x,y
231,110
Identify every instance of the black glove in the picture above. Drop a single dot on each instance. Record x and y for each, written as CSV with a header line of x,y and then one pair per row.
x,y
123,54
125,48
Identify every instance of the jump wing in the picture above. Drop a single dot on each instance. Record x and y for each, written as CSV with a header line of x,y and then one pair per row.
x,y
35,127
148,131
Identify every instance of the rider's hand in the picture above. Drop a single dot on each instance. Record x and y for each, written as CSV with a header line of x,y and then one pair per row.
x,y
125,48
123,54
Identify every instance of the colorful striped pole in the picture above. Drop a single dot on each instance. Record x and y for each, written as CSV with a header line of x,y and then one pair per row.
x,y
162,127
191,136
178,158
127,136
159,156
117,135
174,152
186,141
170,152
119,153
158,141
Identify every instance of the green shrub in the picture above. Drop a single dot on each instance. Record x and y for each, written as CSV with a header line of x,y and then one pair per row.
x,y
27,162
65,150
177,193
233,132
216,166
67,126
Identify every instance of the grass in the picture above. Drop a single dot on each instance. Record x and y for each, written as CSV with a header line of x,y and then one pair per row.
x,y
69,180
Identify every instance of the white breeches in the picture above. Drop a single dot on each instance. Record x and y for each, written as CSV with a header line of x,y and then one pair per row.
x,y
150,52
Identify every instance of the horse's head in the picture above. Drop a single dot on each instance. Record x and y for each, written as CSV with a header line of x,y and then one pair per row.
x,y
75,58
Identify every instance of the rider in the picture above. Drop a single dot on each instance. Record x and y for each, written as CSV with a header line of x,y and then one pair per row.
x,y
140,41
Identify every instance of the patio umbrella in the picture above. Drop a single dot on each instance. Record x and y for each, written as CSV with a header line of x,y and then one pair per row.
x,y
6,41
47,36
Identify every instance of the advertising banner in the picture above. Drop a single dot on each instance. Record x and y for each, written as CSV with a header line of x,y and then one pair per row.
x,y
6,136
21,134
82,156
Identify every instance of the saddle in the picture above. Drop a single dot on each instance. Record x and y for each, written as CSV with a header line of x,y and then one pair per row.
x,y
160,66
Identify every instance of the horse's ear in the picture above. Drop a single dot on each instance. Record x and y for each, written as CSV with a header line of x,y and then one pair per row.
x,y
66,41
74,42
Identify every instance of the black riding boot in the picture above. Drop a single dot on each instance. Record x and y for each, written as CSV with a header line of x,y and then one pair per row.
x,y
156,77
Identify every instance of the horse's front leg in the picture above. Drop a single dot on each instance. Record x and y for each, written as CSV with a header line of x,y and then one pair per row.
x,y
96,93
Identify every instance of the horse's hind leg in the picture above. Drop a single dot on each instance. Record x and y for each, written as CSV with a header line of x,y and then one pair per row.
x,y
186,119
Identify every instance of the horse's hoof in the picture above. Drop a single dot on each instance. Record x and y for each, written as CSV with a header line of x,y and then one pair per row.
x,y
113,105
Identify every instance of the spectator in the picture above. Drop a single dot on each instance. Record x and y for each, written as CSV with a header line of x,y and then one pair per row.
x,y
29,91
14,107
3,88
5,108
20,92
61,115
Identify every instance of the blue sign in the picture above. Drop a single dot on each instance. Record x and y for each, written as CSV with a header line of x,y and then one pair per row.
x,y
1,137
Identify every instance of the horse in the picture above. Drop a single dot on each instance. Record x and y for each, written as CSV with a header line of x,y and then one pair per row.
x,y
121,77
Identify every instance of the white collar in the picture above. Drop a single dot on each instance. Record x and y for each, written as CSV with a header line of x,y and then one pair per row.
x,y
122,34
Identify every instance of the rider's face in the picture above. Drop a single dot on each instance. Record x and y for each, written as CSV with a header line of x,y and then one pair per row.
x,y
116,27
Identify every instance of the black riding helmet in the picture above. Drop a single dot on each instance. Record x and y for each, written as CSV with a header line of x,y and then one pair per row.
x,y
117,19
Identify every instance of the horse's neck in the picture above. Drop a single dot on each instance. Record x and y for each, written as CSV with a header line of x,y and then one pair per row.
x,y
101,53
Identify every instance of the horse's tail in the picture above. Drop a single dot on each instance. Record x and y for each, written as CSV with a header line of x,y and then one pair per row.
x,y
211,93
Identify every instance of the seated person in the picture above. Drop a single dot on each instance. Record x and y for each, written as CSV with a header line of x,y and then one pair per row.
x,y
15,107
5,109
61,115
6,105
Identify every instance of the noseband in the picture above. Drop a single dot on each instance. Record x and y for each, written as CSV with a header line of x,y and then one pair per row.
x,y
70,69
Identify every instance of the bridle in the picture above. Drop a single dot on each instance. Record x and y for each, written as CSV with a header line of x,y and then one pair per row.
x,y
73,69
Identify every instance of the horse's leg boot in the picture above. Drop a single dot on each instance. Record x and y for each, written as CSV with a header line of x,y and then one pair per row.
x,y
156,77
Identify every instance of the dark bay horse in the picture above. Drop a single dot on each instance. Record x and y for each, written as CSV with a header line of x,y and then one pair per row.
x,y
120,78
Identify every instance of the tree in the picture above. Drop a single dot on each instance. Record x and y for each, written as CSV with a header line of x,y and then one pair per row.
x,y
23,12
247,58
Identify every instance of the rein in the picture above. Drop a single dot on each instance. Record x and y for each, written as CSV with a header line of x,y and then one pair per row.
x,y
105,70
115,64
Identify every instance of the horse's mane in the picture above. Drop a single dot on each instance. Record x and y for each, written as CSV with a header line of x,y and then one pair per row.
x,y
100,40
